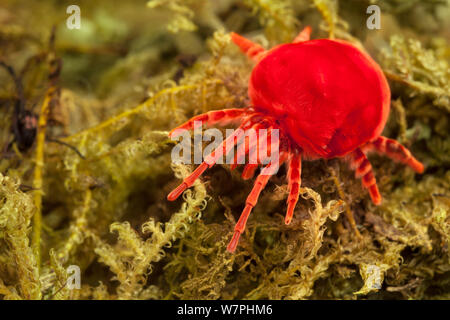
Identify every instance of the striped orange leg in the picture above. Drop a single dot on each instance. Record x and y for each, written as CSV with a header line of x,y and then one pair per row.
x,y
249,171
210,118
253,50
304,35
210,160
250,168
249,141
396,152
257,155
252,199
363,169
294,181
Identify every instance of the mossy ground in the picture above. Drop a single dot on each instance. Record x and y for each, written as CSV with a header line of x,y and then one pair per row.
x,y
90,188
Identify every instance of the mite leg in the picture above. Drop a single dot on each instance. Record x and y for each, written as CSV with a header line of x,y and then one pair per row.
x,y
212,117
246,144
256,156
210,160
396,151
249,171
304,35
252,199
253,50
241,153
294,181
363,169
250,168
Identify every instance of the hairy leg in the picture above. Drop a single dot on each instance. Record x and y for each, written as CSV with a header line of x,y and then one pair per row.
x,y
363,169
253,50
249,171
210,160
250,168
246,144
395,151
210,118
252,199
257,155
294,181
304,35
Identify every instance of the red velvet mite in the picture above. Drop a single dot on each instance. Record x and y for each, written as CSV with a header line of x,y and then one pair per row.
x,y
327,98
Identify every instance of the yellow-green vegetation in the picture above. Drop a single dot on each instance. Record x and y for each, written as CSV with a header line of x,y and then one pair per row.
x,y
88,187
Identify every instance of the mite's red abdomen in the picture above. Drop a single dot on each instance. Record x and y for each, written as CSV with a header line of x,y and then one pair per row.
x,y
330,96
